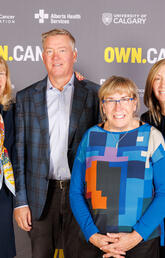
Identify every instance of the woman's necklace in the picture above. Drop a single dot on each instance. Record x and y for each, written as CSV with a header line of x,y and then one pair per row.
x,y
117,142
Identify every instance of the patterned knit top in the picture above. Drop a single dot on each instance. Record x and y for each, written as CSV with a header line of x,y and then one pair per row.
x,y
118,182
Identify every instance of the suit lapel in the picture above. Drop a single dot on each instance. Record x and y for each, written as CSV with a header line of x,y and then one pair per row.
x,y
79,98
39,98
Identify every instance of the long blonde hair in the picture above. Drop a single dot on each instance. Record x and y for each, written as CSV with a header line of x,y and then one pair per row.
x,y
149,97
6,98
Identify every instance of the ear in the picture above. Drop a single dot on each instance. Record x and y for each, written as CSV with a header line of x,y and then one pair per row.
x,y
43,57
103,108
75,56
135,105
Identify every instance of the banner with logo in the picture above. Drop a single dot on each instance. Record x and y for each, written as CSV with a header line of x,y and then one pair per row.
x,y
112,38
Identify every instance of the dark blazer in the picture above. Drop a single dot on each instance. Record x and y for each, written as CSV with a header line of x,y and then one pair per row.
x,y
32,138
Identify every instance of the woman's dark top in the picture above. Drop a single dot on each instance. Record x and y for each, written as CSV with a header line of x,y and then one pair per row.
x,y
161,127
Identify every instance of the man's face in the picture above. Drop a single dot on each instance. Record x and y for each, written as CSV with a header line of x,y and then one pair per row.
x,y
59,56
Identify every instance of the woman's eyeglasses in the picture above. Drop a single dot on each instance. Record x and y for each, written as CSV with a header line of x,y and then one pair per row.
x,y
112,102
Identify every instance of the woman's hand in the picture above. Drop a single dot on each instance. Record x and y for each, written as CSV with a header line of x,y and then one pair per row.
x,y
126,241
79,76
101,241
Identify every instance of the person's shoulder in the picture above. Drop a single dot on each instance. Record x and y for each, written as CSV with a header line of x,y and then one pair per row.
x,y
156,141
148,118
156,133
32,87
88,132
90,85
94,130
10,106
9,112
145,126
145,117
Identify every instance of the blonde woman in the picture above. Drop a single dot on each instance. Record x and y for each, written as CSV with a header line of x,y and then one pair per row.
x,y
118,182
154,99
7,154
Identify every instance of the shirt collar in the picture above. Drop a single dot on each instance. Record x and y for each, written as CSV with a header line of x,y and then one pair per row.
x,y
70,83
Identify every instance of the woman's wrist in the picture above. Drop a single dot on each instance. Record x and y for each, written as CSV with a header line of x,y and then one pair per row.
x,y
136,237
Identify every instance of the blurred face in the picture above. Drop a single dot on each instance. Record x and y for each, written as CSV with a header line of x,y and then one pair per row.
x,y
2,79
159,85
119,109
59,56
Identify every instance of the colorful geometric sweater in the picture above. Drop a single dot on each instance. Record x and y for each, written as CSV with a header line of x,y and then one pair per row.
x,y
118,182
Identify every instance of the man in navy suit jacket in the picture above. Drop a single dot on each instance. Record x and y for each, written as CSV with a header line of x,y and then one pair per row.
x,y
51,118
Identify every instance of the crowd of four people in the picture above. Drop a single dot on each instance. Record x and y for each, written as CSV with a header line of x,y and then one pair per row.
x,y
65,124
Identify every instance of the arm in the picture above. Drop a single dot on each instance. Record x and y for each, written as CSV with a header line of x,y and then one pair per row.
x,y
22,212
77,200
151,218
22,215
21,198
79,205
156,211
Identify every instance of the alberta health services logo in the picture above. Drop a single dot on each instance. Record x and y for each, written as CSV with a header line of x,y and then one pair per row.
x,y
55,18
126,19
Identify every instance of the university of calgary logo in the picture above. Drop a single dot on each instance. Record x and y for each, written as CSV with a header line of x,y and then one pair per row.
x,y
107,18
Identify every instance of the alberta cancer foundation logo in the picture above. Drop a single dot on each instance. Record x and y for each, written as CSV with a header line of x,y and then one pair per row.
x,y
55,18
125,19
7,19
